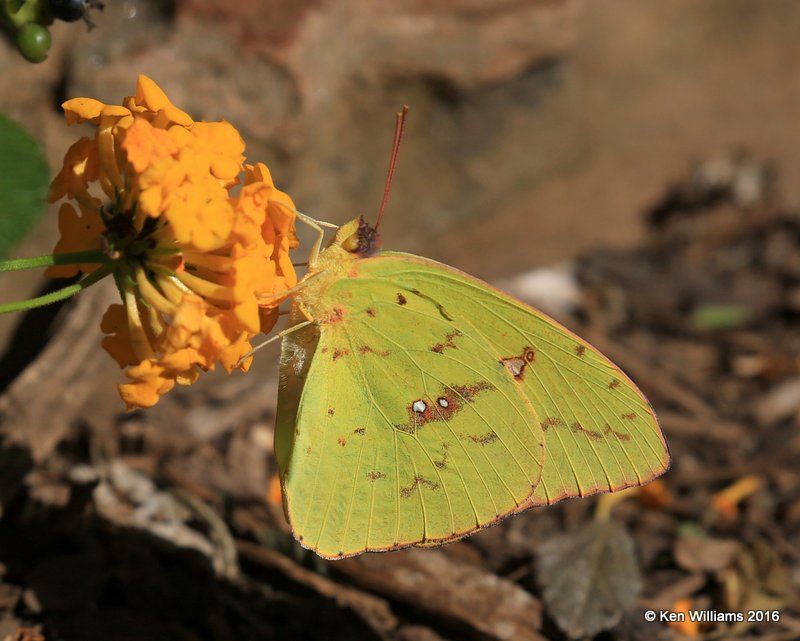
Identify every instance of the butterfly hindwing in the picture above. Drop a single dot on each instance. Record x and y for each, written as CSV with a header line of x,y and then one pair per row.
x,y
401,429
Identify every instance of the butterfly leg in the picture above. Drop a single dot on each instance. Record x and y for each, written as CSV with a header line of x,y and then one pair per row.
x,y
292,290
317,226
272,339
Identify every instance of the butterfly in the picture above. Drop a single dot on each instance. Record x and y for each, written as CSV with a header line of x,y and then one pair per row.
x,y
418,405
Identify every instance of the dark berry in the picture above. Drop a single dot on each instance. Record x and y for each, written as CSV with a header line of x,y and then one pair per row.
x,y
68,10
72,10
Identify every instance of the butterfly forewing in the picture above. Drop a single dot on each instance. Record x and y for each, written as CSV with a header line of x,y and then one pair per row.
x,y
600,432
424,405
401,434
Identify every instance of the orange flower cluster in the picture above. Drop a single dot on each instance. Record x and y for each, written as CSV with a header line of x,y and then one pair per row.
x,y
198,241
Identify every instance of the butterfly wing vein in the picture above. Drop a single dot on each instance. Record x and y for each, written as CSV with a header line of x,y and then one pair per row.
x,y
439,405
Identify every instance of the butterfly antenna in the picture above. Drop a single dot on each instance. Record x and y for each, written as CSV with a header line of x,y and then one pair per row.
x,y
400,125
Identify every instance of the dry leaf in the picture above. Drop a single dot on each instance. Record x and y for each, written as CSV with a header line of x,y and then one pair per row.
x,y
698,553
589,577
758,571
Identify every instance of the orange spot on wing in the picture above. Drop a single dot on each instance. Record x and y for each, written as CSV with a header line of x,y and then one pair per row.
x,y
366,349
580,350
468,392
516,364
418,481
441,407
591,434
484,439
622,436
336,316
551,421
442,463
448,342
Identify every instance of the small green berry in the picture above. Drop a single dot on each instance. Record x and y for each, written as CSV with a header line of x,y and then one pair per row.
x,y
34,41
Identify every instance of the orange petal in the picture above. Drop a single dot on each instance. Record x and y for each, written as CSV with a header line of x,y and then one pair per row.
x,y
118,342
151,96
144,145
79,110
148,386
230,356
79,232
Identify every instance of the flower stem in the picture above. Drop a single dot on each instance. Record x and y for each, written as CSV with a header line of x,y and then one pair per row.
x,y
60,294
95,256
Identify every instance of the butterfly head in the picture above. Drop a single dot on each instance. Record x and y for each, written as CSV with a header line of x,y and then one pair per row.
x,y
359,238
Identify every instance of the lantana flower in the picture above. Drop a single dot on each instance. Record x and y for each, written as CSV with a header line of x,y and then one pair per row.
x,y
197,241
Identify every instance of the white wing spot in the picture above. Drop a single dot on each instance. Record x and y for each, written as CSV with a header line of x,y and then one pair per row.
x,y
516,366
443,402
419,406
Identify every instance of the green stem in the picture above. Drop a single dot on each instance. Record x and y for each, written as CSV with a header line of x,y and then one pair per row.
x,y
95,256
61,294
18,14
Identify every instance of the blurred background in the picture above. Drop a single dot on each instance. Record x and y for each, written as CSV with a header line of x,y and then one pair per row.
x,y
642,157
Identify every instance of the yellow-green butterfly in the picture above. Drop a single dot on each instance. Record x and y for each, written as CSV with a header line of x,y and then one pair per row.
x,y
418,405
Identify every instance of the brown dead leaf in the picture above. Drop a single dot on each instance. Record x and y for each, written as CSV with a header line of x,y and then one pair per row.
x,y
781,402
681,588
758,580
757,569
589,577
697,553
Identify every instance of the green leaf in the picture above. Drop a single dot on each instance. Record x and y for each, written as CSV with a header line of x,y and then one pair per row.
x,y
589,577
24,177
